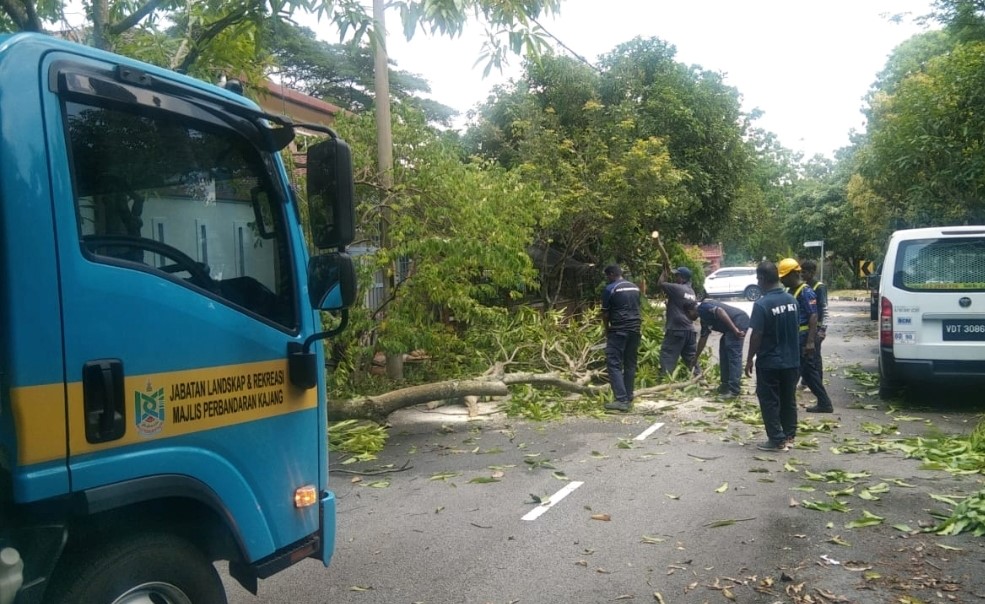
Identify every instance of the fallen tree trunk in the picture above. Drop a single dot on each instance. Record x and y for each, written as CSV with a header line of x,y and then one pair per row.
x,y
378,407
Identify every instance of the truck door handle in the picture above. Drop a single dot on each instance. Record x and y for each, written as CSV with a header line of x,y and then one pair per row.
x,y
102,386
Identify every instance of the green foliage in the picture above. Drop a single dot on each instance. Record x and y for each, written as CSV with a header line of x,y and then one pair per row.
x,y
926,154
516,18
977,437
922,159
546,404
342,74
362,439
953,454
967,516
230,36
646,145
459,233
17,16
746,235
653,96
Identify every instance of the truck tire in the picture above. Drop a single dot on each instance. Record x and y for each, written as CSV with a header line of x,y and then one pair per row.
x,y
889,382
158,567
753,293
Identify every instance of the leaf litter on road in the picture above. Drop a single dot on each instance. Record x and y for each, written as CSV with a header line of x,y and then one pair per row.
x,y
867,519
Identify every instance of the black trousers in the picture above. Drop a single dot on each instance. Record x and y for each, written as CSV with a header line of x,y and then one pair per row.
x,y
678,344
621,348
777,392
811,374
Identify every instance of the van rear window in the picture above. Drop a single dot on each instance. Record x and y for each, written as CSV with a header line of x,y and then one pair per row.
x,y
947,264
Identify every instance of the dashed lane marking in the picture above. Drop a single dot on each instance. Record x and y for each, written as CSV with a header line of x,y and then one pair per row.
x,y
649,431
554,500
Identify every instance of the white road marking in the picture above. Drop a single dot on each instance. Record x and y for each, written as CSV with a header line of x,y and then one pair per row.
x,y
555,498
649,431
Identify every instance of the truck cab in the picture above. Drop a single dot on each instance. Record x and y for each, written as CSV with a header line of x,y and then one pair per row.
x,y
161,403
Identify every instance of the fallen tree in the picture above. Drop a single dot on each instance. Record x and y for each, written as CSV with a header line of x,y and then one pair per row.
x,y
565,355
496,382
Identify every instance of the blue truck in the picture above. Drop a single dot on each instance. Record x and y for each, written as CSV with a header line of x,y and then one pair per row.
x,y
162,387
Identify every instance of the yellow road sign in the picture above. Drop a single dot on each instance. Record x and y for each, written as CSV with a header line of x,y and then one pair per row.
x,y
866,268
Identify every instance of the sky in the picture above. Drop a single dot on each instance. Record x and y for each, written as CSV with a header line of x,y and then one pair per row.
x,y
806,64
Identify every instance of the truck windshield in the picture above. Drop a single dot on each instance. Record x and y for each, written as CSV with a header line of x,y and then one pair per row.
x,y
189,201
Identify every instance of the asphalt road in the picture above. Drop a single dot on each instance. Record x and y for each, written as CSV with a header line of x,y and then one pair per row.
x,y
671,503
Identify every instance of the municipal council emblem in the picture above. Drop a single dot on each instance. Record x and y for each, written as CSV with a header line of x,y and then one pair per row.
x,y
148,410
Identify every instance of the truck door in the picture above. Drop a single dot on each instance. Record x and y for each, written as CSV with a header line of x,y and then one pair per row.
x,y
179,297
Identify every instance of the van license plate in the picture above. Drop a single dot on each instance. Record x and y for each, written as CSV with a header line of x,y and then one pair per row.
x,y
968,329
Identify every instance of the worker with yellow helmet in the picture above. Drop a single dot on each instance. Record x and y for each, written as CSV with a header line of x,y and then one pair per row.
x,y
810,371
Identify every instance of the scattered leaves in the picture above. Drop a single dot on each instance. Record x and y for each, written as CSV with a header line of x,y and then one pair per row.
x,y
837,540
867,519
967,516
483,480
444,475
825,506
727,522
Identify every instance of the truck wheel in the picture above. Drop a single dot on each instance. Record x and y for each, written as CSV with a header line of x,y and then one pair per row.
x,y
753,293
889,383
140,569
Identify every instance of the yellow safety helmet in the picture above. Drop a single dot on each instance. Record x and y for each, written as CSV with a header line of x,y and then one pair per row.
x,y
786,266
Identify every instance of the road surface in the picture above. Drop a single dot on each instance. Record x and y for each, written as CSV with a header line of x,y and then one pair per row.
x,y
670,505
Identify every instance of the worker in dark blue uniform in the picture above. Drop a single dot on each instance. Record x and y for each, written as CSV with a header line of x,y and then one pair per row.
x,y
732,323
622,321
808,272
774,349
810,371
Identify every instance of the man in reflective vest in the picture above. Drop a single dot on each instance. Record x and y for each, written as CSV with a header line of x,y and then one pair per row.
x,y
808,272
810,371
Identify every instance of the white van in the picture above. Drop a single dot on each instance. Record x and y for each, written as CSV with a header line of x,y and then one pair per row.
x,y
932,307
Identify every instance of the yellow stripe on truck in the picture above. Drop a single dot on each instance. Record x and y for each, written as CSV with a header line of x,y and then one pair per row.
x,y
159,406
39,417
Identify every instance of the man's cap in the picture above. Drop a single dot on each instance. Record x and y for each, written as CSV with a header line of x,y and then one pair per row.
x,y
613,269
683,271
786,266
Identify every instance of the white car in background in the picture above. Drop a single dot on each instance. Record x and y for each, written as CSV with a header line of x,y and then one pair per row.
x,y
733,281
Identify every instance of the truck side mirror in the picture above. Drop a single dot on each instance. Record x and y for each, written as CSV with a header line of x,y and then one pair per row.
x,y
331,281
331,194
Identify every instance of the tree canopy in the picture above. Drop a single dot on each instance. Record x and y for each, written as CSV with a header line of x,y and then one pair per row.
x,y
643,144
343,73
223,36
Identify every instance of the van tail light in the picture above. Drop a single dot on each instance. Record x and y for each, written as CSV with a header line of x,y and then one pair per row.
x,y
886,322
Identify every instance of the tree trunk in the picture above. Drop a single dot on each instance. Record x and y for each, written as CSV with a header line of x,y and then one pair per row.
x,y
100,23
384,157
377,408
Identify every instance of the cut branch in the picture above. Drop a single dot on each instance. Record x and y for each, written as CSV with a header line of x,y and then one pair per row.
x,y
494,383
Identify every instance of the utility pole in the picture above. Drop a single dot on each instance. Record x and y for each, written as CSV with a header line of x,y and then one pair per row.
x,y
384,158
